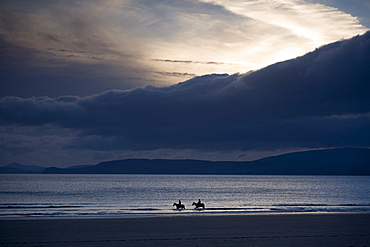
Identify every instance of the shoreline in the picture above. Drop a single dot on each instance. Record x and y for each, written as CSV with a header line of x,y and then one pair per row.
x,y
179,214
288,229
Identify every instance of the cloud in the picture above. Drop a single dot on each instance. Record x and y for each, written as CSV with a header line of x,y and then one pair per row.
x,y
55,49
64,48
317,100
308,20
361,9
84,48
187,61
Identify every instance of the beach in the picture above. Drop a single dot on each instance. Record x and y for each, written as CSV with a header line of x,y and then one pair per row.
x,y
230,230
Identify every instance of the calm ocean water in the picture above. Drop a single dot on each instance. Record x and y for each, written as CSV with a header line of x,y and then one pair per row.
x,y
33,195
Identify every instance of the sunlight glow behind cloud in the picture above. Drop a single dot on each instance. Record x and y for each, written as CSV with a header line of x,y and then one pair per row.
x,y
134,43
309,25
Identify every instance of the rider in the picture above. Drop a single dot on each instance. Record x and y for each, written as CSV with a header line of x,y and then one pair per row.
x,y
199,202
179,202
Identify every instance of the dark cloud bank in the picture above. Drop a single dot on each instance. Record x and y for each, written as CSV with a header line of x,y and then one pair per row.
x,y
317,100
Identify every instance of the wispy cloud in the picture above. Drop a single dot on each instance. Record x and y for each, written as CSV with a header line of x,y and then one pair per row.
x,y
176,74
294,25
190,61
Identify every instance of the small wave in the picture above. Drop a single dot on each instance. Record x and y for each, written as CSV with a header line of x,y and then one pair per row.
x,y
320,205
229,209
300,205
37,207
40,214
145,209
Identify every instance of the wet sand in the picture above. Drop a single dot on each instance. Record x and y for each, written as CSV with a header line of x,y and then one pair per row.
x,y
232,230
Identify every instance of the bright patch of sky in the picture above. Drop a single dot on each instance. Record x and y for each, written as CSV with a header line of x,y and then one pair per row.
x,y
101,45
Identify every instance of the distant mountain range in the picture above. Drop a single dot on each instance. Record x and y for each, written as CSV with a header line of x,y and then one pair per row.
x,y
340,161
19,168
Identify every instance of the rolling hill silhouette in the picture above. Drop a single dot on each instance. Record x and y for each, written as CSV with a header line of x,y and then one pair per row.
x,y
341,161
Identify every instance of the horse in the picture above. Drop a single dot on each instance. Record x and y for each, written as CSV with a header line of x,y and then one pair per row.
x,y
179,206
198,205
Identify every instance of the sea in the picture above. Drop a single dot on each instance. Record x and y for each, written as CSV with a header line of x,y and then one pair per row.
x,y
56,196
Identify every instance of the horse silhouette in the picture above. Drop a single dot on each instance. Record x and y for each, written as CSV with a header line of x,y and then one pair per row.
x,y
179,205
198,205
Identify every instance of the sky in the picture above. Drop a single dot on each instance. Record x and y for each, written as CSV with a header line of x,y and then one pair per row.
x,y
88,81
